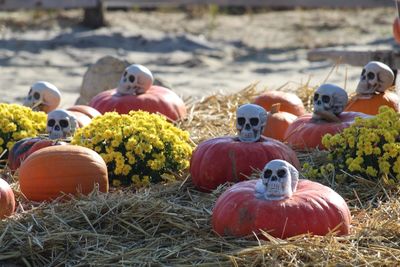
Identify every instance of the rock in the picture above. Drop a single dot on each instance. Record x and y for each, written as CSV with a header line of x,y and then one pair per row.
x,y
104,75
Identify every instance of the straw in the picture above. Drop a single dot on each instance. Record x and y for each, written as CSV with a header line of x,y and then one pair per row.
x,y
170,224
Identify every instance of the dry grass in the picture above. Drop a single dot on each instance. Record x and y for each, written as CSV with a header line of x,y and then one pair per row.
x,y
170,224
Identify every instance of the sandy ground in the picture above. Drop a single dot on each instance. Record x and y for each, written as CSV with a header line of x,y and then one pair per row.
x,y
196,53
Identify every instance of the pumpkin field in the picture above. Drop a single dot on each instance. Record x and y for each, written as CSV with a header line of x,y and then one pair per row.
x,y
138,173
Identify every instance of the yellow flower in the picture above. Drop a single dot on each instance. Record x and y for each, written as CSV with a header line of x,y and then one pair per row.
x,y
138,147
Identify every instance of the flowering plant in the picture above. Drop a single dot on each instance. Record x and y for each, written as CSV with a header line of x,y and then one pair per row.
x,y
18,122
369,147
139,147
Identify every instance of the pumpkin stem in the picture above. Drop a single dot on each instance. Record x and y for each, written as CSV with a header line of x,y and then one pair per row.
x,y
275,108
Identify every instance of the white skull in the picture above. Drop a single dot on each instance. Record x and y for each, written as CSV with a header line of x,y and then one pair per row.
x,y
43,96
278,181
250,122
135,80
60,124
329,98
375,77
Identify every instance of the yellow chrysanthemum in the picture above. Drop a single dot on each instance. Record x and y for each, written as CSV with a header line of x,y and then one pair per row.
x,y
138,147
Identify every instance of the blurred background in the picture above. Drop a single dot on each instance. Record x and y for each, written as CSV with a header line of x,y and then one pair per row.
x,y
196,47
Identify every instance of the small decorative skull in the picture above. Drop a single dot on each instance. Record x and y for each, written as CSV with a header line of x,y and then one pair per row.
x,y
329,101
278,180
250,122
135,80
43,96
60,124
375,77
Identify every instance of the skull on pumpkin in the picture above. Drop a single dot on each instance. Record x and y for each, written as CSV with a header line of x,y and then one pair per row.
x,y
60,124
43,96
250,122
329,101
135,80
278,180
375,77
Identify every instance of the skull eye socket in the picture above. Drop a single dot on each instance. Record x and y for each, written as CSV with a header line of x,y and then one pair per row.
x,y
281,173
241,121
326,98
267,173
316,96
132,78
64,123
254,121
125,73
36,95
371,75
51,122
363,72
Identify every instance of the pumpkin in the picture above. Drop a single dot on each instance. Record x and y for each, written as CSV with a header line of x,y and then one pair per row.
x,y
370,104
156,99
83,114
396,30
23,148
49,172
7,200
313,208
289,102
226,159
278,122
305,133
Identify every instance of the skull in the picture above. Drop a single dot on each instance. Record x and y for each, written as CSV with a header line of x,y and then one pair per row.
x,y
375,77
60,124
43,96
278,180
250,122
135,80
330,99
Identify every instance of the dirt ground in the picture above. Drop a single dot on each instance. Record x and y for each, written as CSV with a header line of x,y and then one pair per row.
x,y
197,53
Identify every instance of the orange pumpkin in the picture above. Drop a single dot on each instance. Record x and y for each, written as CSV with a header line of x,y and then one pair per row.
x,y
313,208
370,104
157,99
278,122
7,200
289,102
304,133
84,114
72,169
396,30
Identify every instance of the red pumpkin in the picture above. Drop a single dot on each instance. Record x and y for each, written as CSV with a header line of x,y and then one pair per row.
x,y
23,148
305,134
48,173
278,122
226,159
396,30
157,99
7,200
289,102
83,114
371,104
313,208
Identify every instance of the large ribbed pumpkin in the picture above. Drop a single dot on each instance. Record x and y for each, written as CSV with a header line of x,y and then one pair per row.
x,y
7,200
84,114
226,159
371,104
313,208
157,99
304,133
278,122
289,102
49,172
23,148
